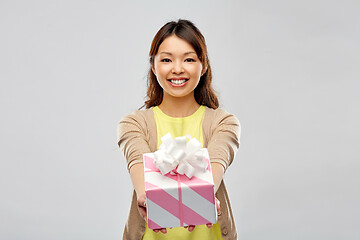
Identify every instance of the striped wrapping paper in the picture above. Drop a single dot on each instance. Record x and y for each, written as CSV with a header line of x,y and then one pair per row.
x,y
176,200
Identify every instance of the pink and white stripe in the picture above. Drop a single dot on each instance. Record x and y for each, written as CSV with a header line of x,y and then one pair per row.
x,y
176,200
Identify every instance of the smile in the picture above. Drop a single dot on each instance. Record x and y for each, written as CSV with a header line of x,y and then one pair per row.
x,y
178,82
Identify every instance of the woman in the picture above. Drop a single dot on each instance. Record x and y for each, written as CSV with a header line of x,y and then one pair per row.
x,y
180,100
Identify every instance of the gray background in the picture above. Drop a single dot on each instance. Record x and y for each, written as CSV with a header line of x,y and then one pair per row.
x,y
289,70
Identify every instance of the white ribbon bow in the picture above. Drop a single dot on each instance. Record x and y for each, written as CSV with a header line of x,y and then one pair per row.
x,y
177,154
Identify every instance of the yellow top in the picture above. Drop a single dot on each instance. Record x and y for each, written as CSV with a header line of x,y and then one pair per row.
x,y
180,127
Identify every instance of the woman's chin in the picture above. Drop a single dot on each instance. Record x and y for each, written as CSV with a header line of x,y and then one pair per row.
x,y
179,94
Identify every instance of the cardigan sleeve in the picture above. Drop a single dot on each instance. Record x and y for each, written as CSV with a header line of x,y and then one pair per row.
x,y
225,139
132,139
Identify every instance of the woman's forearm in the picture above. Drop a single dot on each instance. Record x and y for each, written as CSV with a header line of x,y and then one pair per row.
x,y
218,173
137,178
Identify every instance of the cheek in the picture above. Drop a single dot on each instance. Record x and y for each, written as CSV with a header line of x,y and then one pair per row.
x,y
162,71
196,70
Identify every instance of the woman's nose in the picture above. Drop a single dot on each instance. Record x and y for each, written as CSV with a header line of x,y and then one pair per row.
x,y
177,67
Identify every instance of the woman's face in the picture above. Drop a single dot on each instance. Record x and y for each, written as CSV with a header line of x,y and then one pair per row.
x,y
177,67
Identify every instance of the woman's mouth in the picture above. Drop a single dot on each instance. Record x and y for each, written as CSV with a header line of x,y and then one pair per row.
x,y
178,82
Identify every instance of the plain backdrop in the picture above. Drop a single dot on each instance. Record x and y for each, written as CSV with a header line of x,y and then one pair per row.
x,y
289,70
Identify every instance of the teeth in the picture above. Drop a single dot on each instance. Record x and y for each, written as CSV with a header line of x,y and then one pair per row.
x,y
178,81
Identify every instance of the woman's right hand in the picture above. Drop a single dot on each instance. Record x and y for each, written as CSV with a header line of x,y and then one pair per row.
x,y
141,200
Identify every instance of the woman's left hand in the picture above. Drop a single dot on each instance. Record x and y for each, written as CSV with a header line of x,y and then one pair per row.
x,y
209,225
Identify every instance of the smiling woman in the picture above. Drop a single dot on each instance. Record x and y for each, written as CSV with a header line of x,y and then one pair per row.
x,y
177,69
180,101
165,48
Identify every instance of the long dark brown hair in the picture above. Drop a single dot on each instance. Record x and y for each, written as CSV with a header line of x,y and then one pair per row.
x,y
186,30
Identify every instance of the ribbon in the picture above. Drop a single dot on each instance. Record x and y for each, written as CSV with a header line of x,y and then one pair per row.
x,y
177,156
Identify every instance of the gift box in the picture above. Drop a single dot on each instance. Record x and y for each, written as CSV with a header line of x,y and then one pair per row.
x,y
182,194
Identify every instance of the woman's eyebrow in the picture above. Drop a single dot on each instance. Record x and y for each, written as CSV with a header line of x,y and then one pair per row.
x,y
169,53
192,52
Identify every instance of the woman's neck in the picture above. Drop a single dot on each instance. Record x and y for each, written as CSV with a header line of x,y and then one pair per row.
x,y
179,107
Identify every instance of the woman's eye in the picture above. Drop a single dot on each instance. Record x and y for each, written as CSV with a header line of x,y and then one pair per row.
x,y
165,60
190,60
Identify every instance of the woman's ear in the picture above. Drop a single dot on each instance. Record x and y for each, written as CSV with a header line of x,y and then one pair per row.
x,y
203,71
153,69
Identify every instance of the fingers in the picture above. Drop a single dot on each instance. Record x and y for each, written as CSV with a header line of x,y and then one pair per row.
x,y
142,200
142,206
163,230
142,211
190,228
217,205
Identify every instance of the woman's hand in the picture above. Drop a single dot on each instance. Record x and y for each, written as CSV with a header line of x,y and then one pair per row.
x,y
209,225
141,200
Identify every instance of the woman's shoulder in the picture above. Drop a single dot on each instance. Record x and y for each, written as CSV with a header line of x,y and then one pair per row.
x,y
139,119
139,115
218,113
220,118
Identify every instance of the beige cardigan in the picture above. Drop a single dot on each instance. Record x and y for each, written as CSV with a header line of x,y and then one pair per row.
x,y
221,132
